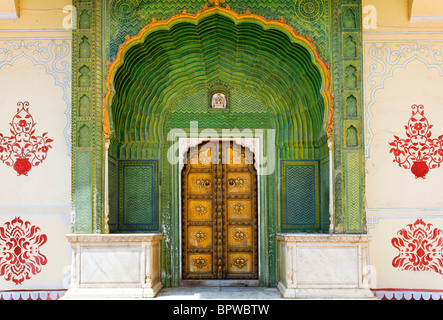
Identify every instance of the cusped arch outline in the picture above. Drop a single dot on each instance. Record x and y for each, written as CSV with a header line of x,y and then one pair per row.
x,y
145,97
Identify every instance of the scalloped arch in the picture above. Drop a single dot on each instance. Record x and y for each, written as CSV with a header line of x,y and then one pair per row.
x,y
168,58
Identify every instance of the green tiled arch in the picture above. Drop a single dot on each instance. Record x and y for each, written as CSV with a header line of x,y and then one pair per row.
x,y
171,61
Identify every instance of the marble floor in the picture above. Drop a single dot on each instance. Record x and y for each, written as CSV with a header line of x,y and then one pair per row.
x,y
219,293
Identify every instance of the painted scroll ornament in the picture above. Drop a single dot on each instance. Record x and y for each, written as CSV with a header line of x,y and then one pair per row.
x,y
20,256
418,152
23,149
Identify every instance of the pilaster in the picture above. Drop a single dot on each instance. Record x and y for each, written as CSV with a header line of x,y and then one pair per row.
x,y
348,137
87,104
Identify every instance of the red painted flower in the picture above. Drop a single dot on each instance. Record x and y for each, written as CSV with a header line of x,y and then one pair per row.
x,y
20,256
418,152
418,126
22,123
420,248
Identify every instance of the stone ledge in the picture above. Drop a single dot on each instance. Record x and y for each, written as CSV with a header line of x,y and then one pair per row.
x,y
112,293
315,266
111,266
112,238
327,238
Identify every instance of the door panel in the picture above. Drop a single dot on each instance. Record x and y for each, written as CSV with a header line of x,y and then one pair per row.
x,y
198,217
238,182
240,264
200,237
199,183
239,209
239,237
200,265
219,213
200,210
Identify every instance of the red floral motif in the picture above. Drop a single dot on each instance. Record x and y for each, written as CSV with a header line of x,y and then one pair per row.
x,y
20,255
420,248
23,150
418,152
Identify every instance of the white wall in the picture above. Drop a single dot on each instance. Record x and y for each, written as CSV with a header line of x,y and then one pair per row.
x,y
35,66
403,66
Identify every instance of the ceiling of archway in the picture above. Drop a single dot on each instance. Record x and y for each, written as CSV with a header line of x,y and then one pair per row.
x,y
169,61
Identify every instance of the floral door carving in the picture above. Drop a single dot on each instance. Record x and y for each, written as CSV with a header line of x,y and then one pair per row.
x,y
219,208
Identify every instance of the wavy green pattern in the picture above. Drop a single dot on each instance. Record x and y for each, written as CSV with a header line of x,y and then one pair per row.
x,y
172,62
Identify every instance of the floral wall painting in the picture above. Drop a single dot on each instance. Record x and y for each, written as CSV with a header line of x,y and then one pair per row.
x,y
419,152
20,256
23,150
420,247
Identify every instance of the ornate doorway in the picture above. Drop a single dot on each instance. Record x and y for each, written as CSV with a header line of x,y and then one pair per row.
x,y
219,213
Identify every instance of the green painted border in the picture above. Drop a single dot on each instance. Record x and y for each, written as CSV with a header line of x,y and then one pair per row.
x,y
353,185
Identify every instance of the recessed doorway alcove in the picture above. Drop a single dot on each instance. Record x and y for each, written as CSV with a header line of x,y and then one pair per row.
x,y
273,87
277,87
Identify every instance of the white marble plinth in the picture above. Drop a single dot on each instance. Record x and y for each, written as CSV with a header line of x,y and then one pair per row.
x,y
318,266
115,266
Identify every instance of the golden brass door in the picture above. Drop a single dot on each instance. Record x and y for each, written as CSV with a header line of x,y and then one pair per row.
x,y
219,212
